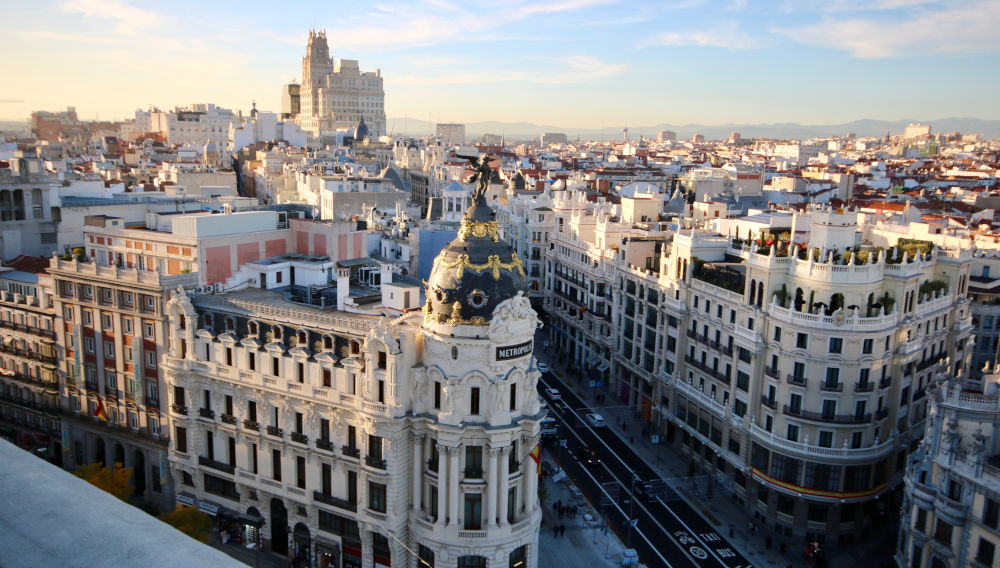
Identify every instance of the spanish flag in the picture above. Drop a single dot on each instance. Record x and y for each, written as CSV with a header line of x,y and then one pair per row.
x,y
100,412
536,454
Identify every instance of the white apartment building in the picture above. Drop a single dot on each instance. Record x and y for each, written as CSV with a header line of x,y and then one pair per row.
x,y
451,134
28,199
337,94
346,439
797,380
951,505
196,125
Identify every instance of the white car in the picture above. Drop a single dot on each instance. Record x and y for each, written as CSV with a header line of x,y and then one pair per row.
x,y
595,420
542,367
553,394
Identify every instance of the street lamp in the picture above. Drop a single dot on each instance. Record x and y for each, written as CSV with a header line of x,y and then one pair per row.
x,y
631,510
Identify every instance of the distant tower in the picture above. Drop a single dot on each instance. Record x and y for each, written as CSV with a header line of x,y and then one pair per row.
x,y
625,134
316,66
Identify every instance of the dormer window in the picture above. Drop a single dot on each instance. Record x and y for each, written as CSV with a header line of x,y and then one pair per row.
x,y
208,320
253,328
276,331
327,342
230,324
355,348
303,338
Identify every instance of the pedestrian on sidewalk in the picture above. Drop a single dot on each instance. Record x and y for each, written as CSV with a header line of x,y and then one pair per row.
x,y
562,530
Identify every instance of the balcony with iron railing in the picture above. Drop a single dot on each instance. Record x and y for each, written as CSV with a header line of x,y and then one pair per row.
x,y
796,380
773,373
866,386
337,502
300,437
830,386
827,417
177,408
251,425
375,461
275,431
351,451
27,354
46,333
473,472
324,445
217,465
228,418
768,402
206,413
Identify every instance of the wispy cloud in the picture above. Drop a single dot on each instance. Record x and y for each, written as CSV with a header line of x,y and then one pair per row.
x,y
541,71
963,27
727,35
128,19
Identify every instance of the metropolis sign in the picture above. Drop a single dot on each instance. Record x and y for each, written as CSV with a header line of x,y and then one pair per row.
x,y
513,351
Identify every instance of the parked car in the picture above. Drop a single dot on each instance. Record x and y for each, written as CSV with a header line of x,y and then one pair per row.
x,y
550,428
542,367
595,420
553,394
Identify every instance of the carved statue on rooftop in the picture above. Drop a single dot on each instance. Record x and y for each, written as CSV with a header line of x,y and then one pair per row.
x,y
482,178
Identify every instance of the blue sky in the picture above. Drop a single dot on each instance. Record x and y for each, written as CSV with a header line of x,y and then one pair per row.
x,y
572,63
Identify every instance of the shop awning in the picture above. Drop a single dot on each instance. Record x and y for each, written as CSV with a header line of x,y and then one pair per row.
x,y
208,507
186,498
252,520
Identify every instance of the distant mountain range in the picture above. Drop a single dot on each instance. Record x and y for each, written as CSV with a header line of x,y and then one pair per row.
x,y
864,127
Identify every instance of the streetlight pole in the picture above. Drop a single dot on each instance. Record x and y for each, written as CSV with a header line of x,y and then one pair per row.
x,y
631,510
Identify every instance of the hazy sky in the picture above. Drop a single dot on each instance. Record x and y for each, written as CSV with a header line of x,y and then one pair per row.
x,y
573,63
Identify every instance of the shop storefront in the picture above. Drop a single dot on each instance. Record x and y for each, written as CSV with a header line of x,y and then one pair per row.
x,y
327,555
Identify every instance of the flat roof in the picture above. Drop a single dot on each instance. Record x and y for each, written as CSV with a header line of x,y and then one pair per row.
x,y
53,518
19,276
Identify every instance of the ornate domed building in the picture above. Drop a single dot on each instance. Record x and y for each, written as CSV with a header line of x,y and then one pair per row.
x,y
380,440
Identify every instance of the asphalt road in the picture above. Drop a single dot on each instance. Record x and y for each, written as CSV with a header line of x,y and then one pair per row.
x,y
668,532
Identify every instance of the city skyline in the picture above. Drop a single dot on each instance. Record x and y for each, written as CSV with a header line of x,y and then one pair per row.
x,y
681,62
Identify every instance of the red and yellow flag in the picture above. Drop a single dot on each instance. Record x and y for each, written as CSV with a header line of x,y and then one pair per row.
x,y
536,454
100,412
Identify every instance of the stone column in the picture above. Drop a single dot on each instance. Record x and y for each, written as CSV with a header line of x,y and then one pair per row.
x,y
453,477
442,485
491,488
504,484
418,469
367,551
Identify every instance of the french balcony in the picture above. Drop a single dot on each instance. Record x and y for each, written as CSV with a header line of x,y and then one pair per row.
x,y
177,408
773,373
251,425
473,472
796,380
831,387
206,413
866,386
881,413
275,431
351,451
228,418
300,438
375,461
324,445
769,402
217,465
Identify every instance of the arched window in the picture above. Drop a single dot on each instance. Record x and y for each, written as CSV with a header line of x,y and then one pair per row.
x,y
230,324
303,338
276,332
760,294
252,326
355,348
753,292
208,320
327,342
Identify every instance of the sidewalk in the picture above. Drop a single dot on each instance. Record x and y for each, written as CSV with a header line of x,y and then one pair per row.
x,y
590,546
248,556
721,511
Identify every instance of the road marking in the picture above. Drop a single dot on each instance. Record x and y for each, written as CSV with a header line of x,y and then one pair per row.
x,y
632,471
